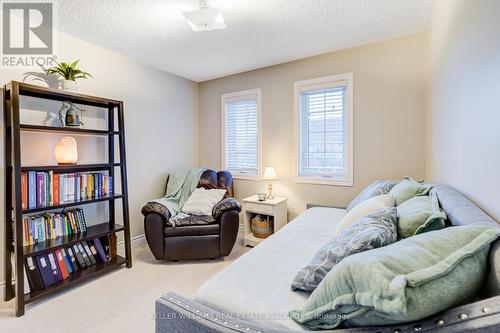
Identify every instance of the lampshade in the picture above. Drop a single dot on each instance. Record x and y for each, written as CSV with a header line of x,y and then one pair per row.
x,y
269,173
66,151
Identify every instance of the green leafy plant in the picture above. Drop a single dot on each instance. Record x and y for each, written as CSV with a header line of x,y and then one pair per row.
x,y
68,71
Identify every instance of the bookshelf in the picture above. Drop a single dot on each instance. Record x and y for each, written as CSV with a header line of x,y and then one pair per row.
x,y
14,212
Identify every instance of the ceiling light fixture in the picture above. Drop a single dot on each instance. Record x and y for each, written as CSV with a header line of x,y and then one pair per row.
x,y
206,18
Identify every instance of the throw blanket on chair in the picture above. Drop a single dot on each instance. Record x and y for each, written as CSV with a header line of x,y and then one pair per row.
x,y
180,186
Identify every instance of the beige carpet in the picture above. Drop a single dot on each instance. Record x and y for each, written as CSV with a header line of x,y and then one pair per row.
x,y
122,301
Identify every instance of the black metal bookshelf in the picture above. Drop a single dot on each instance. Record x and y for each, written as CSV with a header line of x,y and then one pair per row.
x,y
13,209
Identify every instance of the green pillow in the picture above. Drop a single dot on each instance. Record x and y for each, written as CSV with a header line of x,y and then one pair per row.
x,y
418,215
402,282
408,189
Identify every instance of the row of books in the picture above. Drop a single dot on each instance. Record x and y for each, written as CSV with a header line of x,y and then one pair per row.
x,y
46,269
39,228
42,189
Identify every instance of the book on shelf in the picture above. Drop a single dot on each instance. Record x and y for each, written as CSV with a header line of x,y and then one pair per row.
x,y
31,189
34,278
24,190
72,259
45,189
44,270
39,228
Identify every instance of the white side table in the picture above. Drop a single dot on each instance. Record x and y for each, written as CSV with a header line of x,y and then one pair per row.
x,y
275,207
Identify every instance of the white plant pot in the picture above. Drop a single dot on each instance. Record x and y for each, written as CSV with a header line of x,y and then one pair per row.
x,y
70,85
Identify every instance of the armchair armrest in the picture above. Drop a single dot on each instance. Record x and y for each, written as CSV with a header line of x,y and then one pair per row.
x,y
224,206
155,216
229,223
155,207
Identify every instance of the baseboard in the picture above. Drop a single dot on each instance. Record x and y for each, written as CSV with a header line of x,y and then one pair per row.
x,y
134,241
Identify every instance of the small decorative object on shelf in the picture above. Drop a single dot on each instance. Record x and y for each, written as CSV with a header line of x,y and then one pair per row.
x,y
68,115
270,174
66,151
261,196
69,73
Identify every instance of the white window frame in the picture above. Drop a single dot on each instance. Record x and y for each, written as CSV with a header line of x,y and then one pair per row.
x,y
326,81
236,175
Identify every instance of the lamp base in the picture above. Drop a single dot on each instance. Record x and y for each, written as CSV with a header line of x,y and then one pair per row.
x,y
270,191
66,163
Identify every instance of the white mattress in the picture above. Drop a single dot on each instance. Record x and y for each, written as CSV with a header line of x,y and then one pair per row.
x,y
256,286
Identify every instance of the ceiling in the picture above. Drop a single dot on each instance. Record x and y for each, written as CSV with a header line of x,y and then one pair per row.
x,y
259,33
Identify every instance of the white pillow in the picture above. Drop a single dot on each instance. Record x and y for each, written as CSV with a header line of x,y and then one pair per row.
x,y
364,208
202,201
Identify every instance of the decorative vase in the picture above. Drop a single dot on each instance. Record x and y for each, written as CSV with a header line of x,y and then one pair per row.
x,y
70,85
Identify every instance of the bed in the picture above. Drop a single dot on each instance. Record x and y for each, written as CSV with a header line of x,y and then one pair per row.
x,y
253,294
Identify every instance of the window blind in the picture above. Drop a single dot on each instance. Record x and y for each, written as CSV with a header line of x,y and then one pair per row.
x,y
241,134
322,132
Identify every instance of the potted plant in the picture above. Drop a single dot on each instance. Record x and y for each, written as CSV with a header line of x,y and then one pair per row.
x,y
70,74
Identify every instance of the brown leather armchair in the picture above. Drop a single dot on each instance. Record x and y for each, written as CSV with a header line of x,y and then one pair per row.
x,y
197,241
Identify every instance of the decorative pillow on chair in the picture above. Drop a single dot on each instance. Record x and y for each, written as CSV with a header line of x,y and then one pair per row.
x,y
202,201
408,189
366,207
376,188
418,215
370,231
406,281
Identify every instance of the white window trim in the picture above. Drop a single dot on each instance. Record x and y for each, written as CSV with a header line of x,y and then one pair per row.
x,y
256,91
297,85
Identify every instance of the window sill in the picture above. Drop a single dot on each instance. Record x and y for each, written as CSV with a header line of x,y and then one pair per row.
x,y
322,181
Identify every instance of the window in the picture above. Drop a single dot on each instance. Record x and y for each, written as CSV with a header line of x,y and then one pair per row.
x,y
241,133
323,130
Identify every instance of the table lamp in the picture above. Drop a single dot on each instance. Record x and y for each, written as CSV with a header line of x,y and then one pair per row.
x,y
66,151
270,174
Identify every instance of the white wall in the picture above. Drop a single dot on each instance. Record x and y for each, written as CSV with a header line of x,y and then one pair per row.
x,y
161,122
389,106
463,117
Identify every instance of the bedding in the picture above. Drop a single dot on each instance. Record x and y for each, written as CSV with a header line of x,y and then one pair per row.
x,y
371,231
368,206
408,280
418,215
175,313
378,187
265,272
407,189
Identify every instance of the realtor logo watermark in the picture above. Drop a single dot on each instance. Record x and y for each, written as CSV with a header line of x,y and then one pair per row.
x,y
27,34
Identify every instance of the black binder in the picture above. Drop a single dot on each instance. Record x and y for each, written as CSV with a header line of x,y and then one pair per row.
x,y
89,253
79,257
34,277
84,254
